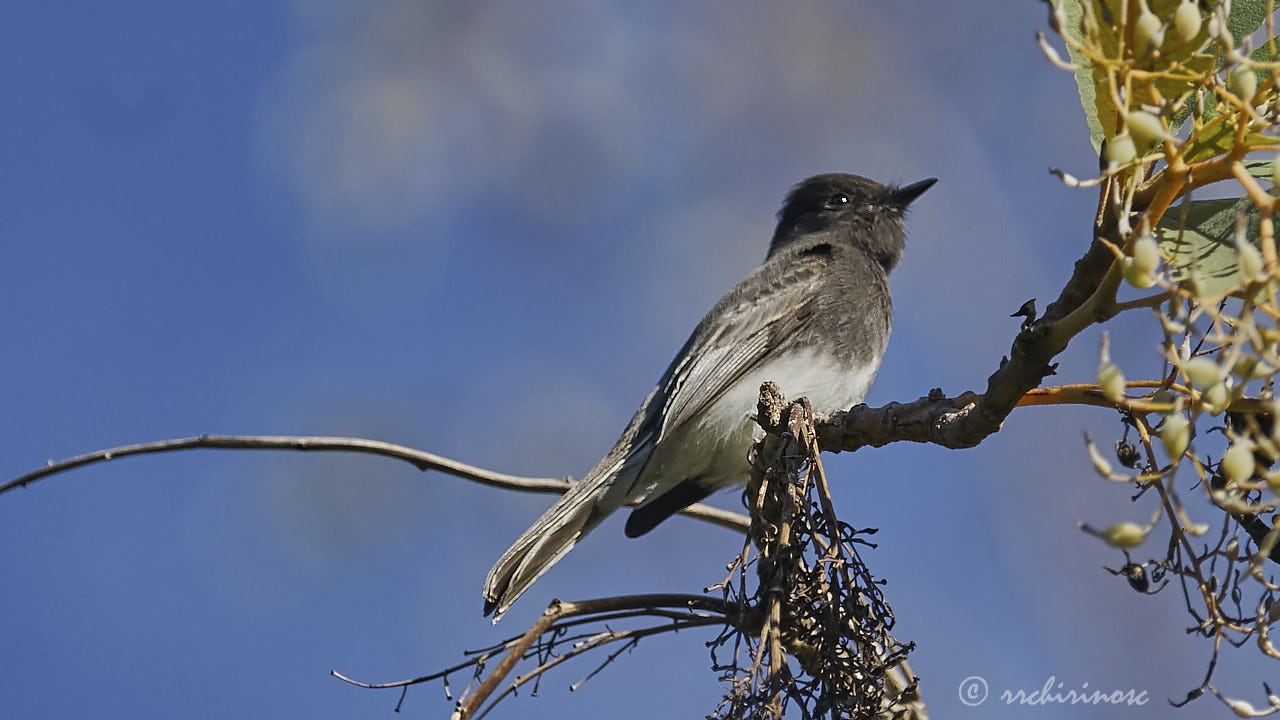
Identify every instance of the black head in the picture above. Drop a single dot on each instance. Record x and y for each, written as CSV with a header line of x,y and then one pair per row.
x,y
867,213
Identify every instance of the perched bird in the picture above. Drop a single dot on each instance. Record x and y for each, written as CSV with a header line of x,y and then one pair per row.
x,y
814,318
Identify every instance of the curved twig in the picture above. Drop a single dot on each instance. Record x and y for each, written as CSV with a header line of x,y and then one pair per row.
x,y
679,611
558,610
418,458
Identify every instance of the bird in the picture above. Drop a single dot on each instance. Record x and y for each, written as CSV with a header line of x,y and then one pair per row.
x,y
814,318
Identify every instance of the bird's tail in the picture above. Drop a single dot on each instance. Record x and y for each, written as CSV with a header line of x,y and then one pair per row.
x,y
575,514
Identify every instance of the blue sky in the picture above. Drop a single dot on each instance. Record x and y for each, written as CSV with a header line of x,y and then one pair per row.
x,y
483,230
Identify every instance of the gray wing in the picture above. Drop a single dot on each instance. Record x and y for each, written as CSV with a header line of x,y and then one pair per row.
x,y
735,338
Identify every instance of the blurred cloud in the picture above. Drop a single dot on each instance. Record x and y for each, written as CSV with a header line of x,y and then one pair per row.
x,y
391,112
394,111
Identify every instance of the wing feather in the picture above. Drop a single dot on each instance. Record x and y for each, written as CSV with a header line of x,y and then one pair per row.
x,y
743,335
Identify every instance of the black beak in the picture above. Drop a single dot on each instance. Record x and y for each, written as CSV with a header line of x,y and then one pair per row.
x,y
903,196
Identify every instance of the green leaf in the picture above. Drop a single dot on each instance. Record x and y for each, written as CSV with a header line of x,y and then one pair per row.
x,y
1260,169
1262,53
1217,137
1246,17
1206,242
1087,80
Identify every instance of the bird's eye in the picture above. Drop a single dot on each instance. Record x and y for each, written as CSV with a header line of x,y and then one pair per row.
x,y
837,201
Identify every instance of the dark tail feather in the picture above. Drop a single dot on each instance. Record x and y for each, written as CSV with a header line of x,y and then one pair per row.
x,y
647,516
575,514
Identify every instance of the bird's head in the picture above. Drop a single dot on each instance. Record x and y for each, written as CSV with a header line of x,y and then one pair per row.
x,y
852,207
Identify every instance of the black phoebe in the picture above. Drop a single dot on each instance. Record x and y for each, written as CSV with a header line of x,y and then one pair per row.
x,y
814,318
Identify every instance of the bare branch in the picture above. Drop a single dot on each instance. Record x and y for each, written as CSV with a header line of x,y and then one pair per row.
x,y
680,612
418,458
933,419
558,611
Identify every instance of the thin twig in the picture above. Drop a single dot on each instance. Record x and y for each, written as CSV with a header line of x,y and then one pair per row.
x,y
557,611
418,458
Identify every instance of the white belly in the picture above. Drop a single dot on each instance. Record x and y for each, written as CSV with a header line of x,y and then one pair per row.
x,y
714,446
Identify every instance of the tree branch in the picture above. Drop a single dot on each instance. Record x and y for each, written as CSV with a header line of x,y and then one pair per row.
x,y
938,419
967,419
418,458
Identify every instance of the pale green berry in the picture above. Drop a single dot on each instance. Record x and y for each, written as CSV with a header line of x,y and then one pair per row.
x,y
1216,398
1111,381
1146,254
1100,464
1175,435
1172,327
1249,261
1273,481
1136,276
1148,33
1202,371
1248,367
1144,127
1242,82
1121,150
1195,284
1237,462
1186,20
1124,535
